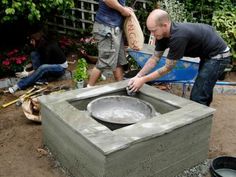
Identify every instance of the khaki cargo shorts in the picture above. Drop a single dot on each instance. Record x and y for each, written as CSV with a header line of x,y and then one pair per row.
x,y
111,51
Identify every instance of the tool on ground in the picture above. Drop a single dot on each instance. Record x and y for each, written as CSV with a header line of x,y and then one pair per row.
x,y
29,93
18,103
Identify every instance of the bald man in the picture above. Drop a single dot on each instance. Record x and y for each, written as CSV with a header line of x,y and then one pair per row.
x,y
185,39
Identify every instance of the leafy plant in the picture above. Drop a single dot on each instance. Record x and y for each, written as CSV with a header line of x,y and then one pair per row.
x,y
32,10
81,71
175,9
202,11
225,23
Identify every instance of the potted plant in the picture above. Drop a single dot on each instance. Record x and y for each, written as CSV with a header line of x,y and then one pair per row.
x,y
81,72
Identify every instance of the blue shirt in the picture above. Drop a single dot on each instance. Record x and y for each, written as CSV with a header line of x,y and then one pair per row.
x,y
109,16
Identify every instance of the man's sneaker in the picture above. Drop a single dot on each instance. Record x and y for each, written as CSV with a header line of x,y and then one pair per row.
x,y
13,89
89,86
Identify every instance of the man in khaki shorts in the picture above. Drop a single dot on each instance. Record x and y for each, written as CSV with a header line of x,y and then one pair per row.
x,y
107,31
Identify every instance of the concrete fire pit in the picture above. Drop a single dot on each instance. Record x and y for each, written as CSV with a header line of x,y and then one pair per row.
x,y
162,146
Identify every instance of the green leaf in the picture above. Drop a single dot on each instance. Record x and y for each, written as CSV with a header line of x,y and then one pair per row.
x,y
4,1
17,5
10,11
6,18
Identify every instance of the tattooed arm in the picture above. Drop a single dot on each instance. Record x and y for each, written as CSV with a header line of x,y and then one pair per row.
x,y
150,64
169,65
138,82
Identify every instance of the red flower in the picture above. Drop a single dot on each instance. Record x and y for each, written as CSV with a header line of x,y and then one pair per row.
x,y
65,41
13,52
22,58
6,62
12,61
18,61
88,46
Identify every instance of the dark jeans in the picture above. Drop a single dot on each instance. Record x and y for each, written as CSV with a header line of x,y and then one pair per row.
x,y
35,58
44,71
209,72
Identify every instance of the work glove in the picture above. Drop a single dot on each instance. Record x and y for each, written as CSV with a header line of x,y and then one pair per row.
x,y
28,67
22,74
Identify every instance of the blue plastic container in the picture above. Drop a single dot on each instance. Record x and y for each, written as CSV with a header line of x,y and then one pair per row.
x,y
186,69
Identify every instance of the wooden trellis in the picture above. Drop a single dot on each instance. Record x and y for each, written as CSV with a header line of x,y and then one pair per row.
x,y
80,18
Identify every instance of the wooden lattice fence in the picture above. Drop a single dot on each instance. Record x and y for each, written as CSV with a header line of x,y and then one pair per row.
x,y
80,18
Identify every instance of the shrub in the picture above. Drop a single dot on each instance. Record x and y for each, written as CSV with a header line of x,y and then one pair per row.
x,y
32,10
175,9
225,23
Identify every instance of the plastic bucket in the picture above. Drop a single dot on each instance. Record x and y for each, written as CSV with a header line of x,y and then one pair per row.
x,y
224,166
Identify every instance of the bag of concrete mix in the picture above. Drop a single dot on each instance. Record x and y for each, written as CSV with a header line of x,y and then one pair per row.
x,y
133,32
31,107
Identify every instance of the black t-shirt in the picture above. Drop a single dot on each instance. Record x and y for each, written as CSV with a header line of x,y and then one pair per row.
x,y
51,53
192,40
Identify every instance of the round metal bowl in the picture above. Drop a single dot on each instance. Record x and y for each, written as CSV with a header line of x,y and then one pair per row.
x,y
120,109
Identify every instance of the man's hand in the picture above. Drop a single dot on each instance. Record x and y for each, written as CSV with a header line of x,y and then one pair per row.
x,y
22,74
126,11
135,83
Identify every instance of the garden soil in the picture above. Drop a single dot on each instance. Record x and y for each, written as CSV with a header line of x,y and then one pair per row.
x,y
22,153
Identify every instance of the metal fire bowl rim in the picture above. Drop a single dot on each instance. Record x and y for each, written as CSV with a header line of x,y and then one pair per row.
x,y
90,107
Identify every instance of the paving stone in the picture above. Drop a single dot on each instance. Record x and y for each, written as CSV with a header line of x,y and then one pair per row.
x,y
8,82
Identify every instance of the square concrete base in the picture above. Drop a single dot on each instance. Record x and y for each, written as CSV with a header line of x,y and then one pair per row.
x,y
162,146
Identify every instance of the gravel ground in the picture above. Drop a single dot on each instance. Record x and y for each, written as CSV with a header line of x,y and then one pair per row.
x,y
201,170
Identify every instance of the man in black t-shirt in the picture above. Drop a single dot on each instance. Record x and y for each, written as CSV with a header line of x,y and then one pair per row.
x,y
48,62
185,39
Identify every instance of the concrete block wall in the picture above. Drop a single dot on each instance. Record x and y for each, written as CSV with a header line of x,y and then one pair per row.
x,y
163,156
72,150
159,147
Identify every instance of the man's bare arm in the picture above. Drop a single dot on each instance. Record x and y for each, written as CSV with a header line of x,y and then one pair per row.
x,y
114,4
150,64
169,65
